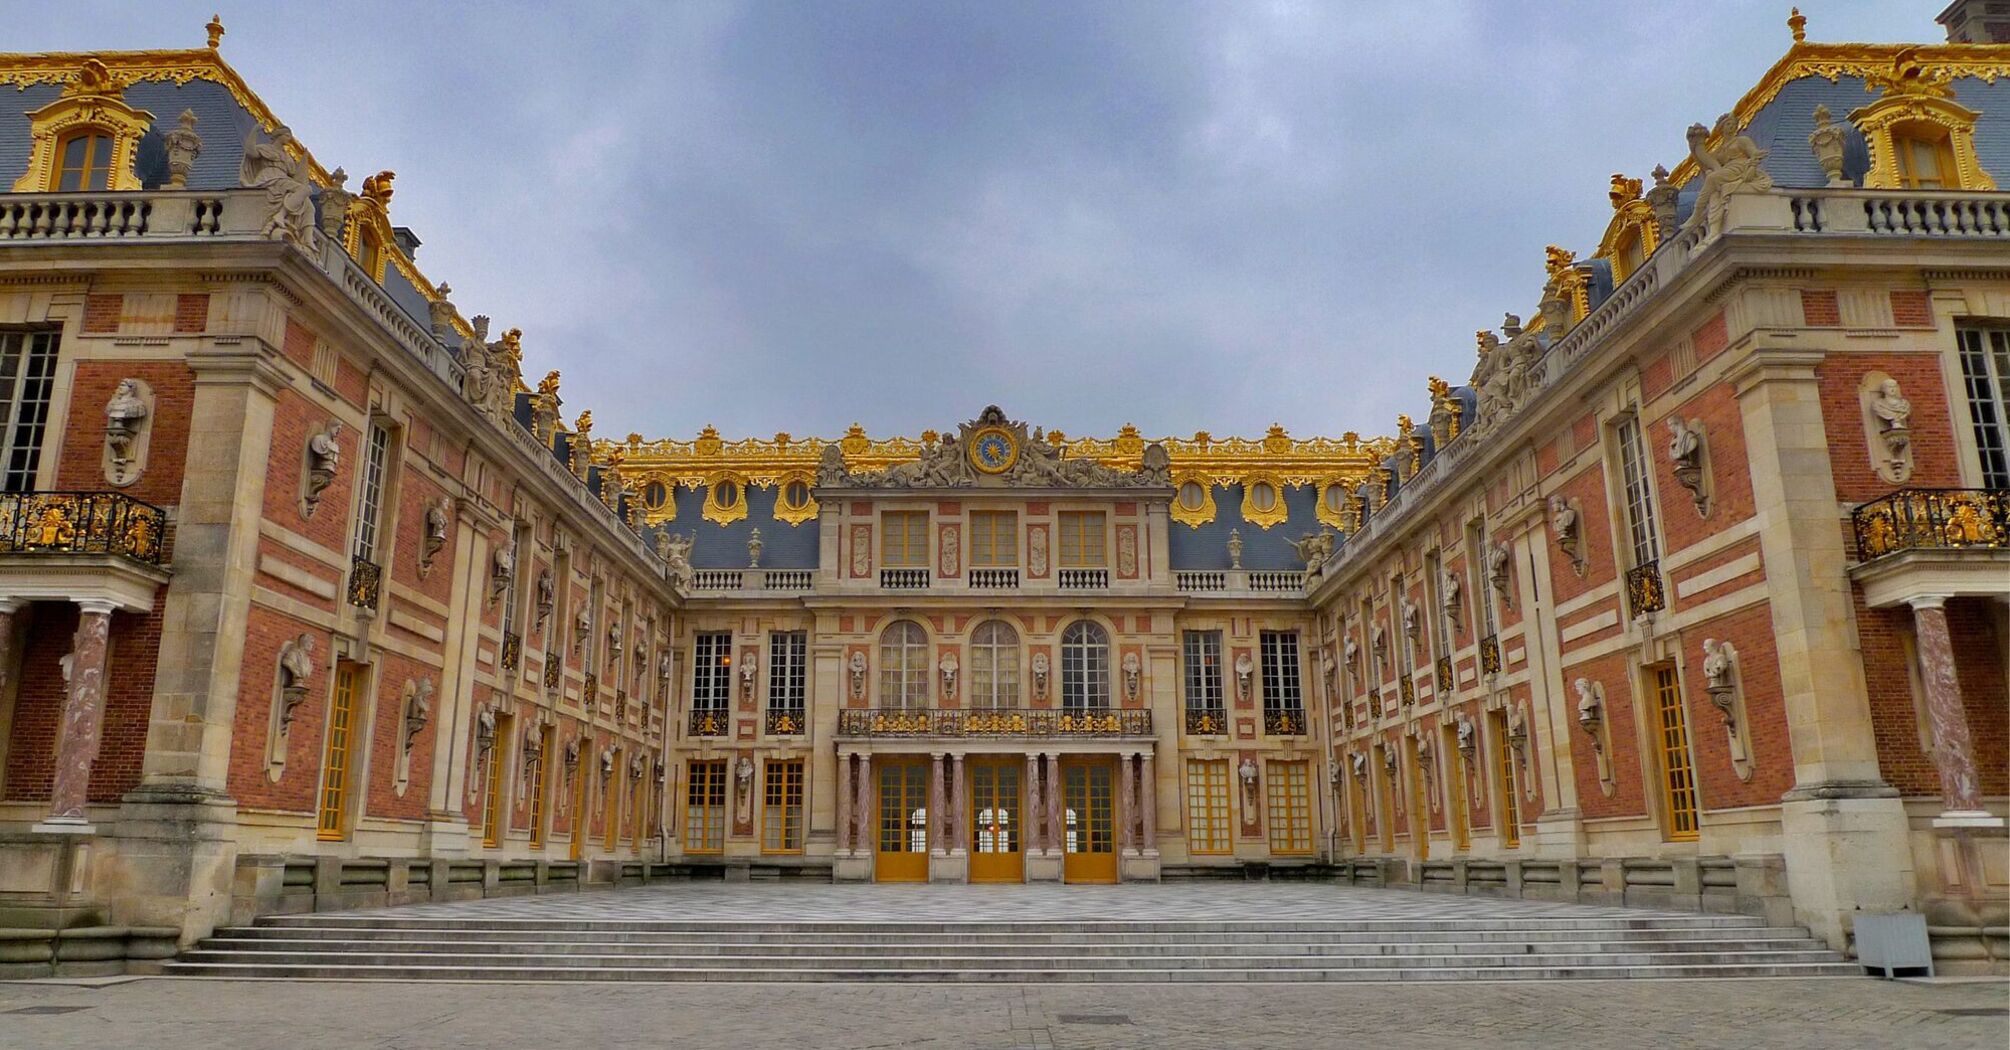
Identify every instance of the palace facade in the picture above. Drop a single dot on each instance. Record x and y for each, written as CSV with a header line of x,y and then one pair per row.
x,y
1694,593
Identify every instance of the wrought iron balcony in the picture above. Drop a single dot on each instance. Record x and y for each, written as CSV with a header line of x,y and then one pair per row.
x,y
933,722
1932,519
512,651
789,721
1409,690
1284,722
1644,590
1210,721
710,723
554,668
589,690
1445,681
59,523
1490,654
366,582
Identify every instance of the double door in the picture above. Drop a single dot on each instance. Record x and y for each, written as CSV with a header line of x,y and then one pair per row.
x,y
1088,819
901,829
997,820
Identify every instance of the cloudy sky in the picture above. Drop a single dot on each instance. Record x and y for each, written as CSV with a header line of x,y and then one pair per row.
x,y
794,216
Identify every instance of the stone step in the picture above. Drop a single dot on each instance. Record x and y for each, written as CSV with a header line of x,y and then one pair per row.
x,y
416,922
1123,961
1019,937
950,948
1319,973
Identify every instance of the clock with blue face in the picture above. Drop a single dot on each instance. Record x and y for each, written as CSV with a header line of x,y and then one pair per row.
x,y
993,450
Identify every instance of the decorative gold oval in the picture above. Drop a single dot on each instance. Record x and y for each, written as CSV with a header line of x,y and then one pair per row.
x,y
1193,517
721,513
795,515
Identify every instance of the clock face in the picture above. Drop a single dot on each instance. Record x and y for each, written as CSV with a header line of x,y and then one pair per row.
x,y
993,451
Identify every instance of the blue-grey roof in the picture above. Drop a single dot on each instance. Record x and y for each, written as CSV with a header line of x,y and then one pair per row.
x,y
715,546
1206,546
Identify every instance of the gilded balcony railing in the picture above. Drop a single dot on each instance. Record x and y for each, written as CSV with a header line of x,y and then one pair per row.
x,y
930,722
1644,591
1409,690
1444,670
1490,654
81,523
709,723
1284,722
788,721
554,668
366,581
512,651
589,690
1206,722
1932,519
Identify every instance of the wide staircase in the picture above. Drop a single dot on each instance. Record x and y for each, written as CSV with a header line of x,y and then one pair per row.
x,y
391,947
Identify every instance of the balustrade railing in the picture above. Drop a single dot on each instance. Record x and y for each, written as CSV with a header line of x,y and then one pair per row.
x,y
708,722
366,581
904,579
1206,721
932,722
1644,590
787,721
1287,722
1083,579
60,523
788,579
1277,582
994,579
1932,519
512,651
1490,655
1201,581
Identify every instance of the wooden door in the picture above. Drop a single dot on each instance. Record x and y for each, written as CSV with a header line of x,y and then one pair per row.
x,y
1088,819
901,853
997,814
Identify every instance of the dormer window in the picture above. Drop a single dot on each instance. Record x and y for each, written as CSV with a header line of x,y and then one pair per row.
x,y
84,161
1925,157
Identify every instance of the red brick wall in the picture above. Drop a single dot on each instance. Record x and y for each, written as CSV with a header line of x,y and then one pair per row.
x,y
265,632
295,420
1594,526
386,728
1894,717
1724,458
1622,714
1919,379
129,688
1818,308
1750,630
82,467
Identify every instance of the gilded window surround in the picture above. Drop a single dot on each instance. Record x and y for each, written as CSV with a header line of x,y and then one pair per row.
x,y
92,100
1197,516
795,515
723,513
1341,518
1257,516
1879,120
1632,217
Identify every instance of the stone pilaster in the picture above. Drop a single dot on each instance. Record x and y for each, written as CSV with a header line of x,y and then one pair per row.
x,y
1033,819
844,795
1127,804
959,823
1148,816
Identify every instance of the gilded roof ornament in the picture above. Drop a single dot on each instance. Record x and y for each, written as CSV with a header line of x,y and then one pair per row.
x,y
377,189
548,386
215,29
93,78
1797,23
1624,191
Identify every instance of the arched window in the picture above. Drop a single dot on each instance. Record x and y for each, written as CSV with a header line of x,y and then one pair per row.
x,y
1925,157
903,666
84,161
1085,667
994,666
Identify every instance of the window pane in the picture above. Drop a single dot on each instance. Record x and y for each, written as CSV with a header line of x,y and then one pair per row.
x,y
1085,667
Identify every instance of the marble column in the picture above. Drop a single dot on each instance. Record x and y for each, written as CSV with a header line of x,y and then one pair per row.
x,y
936,827
1126,805
959,821
1953,754
868,829
83,715
844,795
1035,816
1148,816
1057,827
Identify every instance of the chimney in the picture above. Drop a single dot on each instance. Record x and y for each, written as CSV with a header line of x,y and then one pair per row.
x,y
1977,21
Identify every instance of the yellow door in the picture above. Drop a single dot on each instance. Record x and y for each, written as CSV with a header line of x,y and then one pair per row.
x,y
1088,817
902,854
996,849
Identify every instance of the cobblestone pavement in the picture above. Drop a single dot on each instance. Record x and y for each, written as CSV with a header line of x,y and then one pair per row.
x,y
169,1014
864,902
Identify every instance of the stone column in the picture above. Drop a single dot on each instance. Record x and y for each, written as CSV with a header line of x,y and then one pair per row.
x,y
935,826
867,838
1126,805
1057,827
1149,810
959,837
83,718
1034,817
844,794
1953,754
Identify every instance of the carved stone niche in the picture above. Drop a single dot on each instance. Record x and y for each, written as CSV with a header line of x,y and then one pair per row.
x,y
1566,522
1887,425
1721,683
289,690
1591,719
128,431
1689,460
322,462
856,665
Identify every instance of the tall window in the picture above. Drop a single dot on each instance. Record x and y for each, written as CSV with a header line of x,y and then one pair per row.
x,y
1639,498
782,807
1282,691
1510,785
1985,371
1925,158
84,161
994,538
547,738
1081,539
494,815
903,539
1290,790
705,808
1085,667
712,672
519,549
1677,772
334,815
903,666
1205,709
994,666
788,680
1441,620
376,461
1483,590
1207,816
27,370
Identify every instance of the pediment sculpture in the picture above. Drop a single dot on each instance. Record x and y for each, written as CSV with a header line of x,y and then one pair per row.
x,y
993,451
